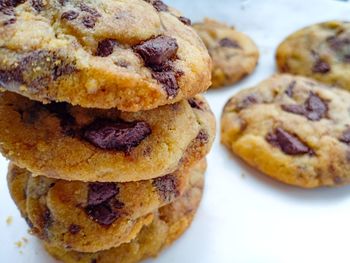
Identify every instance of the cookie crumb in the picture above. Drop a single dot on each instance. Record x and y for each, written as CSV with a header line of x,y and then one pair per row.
x,y
9,220
19,244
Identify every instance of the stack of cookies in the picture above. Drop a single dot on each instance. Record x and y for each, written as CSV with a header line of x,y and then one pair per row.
x,y
101,120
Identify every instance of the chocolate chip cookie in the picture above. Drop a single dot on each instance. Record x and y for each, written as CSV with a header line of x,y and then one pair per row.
x,y
73,143
234,54
131,55
320,51
169,224
89,217
293,129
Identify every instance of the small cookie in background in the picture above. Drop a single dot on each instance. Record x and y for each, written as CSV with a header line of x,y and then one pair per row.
x,y
320,51
293,129
234,54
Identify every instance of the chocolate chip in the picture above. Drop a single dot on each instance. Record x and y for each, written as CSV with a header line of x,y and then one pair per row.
x,y
185,20
166,187
290,89
47,219
92,11
202,137
10,21
103,214
4,4
38,5
168,79
226,42
74,229
116,135
105,47
321,66
101,192
337,43
89,21
69,15
345,137
288,143
196,104
314,108
158,50
94,260
158,5
294,108
247,102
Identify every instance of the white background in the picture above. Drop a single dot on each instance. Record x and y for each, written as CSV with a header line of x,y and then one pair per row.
x,y
244,216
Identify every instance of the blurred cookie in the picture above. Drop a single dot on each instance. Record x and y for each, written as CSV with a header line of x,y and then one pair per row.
x,y
89,217
168,225
73,143
320,51
234,54
293,129
131,55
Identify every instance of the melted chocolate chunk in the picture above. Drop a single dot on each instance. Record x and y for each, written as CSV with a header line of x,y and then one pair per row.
x,y
38,5
167,187
89,21
185,20
226,42
158,50
158,5
105,47
345,137
168,79
116,135
103,214
74,229
290,89
67,121
69,15
25,71
321,66
196,104
101,192
314,108
288,143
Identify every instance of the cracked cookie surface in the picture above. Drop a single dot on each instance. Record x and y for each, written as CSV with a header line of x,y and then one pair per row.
x,y
293,129
320,51
234,54
89,217
73,143
131,55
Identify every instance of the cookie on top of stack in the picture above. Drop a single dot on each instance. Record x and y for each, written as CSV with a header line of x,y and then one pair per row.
x,y
101,119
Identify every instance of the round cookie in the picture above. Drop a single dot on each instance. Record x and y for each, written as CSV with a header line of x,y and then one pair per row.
x,y
73,143
89,217
320,51
168,225
293,129
234,54
131,55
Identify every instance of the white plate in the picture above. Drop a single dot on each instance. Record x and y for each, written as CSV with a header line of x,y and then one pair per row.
x,y
244,216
